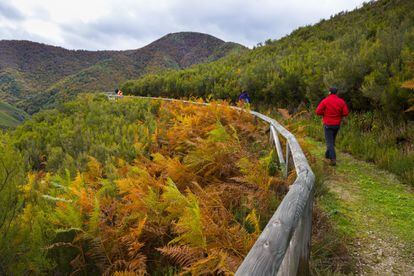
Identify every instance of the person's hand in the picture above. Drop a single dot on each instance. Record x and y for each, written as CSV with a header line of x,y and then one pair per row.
x,y
344,121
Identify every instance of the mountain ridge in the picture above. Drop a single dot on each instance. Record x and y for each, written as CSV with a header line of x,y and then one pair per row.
x,y
35,75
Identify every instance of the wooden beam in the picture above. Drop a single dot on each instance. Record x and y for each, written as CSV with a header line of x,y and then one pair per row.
x,y
278,146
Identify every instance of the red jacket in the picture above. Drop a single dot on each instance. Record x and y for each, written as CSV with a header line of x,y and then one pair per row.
x,y
332,108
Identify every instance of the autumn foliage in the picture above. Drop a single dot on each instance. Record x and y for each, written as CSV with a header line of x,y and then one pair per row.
x,y
193,200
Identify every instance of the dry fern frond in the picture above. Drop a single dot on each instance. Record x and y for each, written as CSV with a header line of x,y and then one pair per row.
x,y
134,267
411,101
124,273
118,265
98,254
138,264
131,240
214,263
408,84
285,113
182,255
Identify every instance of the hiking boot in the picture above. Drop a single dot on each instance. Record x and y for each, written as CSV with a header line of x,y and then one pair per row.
x,y
332,162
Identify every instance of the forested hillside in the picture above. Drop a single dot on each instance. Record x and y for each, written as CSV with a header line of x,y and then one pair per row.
x,y
368,53
34,75
99,187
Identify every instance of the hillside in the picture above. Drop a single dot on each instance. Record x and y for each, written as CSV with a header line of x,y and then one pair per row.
x,y
368,53
135,186
11,116
34,75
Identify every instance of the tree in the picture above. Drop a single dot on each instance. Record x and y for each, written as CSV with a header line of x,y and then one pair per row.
x,y
11,179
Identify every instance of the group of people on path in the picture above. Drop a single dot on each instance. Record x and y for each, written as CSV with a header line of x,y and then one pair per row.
x,y
332,109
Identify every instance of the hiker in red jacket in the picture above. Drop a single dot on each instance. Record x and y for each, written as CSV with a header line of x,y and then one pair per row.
x,y
333,109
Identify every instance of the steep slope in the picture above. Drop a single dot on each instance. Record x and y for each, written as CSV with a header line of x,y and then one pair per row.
x,y
173,51
11,116
33,74
27,67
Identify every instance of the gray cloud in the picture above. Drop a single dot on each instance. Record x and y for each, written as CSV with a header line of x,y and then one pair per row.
x,y
134,24
9,12
21,34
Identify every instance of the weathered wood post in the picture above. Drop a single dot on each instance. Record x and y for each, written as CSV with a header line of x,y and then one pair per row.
x,y
287,160
303,268
274,134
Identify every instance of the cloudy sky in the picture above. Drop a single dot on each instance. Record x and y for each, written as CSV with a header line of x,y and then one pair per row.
x,y
130,24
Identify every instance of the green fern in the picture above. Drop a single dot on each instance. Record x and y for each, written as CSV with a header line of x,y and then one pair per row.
x,y
189,225
94,219
254,220
219,134
174,199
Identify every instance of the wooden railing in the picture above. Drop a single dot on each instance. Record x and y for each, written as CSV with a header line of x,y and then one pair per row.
x,y
283,247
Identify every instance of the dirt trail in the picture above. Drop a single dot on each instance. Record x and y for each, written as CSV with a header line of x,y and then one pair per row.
x,y
378,211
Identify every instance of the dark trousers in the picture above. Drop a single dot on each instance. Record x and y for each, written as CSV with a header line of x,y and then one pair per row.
x,y
330,136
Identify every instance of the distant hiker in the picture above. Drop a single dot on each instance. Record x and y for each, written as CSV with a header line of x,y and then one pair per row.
x,y
333,109
244,97
120,94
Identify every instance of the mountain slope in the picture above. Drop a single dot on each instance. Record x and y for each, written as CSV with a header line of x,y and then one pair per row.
x,y
367,52
33,74
11,116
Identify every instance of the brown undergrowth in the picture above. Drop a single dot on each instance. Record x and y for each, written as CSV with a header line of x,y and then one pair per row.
x,y
193,201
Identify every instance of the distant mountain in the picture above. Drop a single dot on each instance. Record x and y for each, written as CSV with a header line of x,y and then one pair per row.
x,y
368,53
11,116
34,75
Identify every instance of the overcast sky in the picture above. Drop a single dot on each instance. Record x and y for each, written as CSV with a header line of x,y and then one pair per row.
x,y
130,24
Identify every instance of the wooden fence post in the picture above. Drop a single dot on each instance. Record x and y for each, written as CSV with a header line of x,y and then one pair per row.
x,y
287,160
303,268
274,134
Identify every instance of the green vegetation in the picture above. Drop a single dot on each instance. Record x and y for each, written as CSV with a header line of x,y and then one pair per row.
x,y
332,229
387,143
35,76
11,116
368,53
134,186
371,214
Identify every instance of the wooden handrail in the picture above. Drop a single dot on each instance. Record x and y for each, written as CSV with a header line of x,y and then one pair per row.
x,y
283,247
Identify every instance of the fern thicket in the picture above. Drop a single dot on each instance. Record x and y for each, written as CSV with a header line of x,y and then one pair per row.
x,y
194,197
